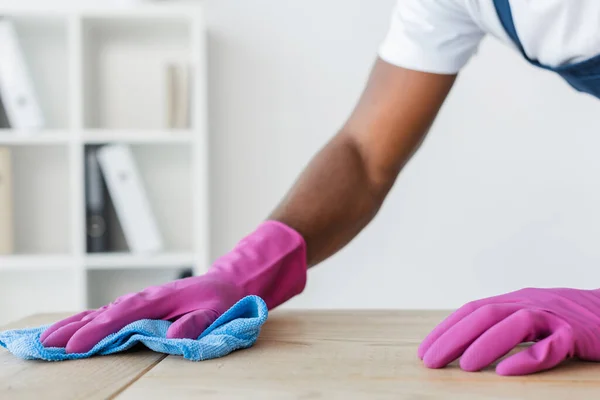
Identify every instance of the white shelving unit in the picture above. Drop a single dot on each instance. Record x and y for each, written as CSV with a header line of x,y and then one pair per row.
x,y
99,74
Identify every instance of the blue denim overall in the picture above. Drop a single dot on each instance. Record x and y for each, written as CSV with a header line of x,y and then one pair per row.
x,y
584,76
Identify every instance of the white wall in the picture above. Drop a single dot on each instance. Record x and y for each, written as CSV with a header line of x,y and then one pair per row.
x,y
502,195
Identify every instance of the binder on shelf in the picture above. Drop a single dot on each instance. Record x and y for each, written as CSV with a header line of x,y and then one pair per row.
x,y
95,203
4,124
178,96
129,199
16,86
185,273
6,203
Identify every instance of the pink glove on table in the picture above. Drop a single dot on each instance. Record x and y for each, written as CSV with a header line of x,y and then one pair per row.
x,y
564,323
269,263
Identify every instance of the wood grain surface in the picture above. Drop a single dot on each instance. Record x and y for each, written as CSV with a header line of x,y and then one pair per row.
x,y
350,355
93,378
299,355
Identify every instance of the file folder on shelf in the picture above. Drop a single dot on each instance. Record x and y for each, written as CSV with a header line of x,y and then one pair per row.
x,y
4,124
96,203
129,198
16,87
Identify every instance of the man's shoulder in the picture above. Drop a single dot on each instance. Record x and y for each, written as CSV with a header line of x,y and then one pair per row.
x,y
431,35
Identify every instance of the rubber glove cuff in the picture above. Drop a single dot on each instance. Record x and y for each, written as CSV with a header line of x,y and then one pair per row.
x,y
269,263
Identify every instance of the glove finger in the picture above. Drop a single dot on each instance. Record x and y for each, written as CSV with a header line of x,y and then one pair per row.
x,y
58,325
191,325
460,336
455,318
543,355
522,326
443,327
113,319
61,337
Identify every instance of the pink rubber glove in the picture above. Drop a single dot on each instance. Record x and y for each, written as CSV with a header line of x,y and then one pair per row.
x,y
564,322
270,263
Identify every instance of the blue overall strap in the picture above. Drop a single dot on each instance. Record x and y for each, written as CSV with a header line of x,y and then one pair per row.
x,y
506,19
584,76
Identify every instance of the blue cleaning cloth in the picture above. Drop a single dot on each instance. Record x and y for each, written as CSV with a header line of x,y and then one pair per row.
x,y
237,328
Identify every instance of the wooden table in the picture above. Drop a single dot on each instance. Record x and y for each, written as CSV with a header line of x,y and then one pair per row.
x,y
299,355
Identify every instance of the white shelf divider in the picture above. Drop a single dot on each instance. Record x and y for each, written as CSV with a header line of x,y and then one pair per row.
x,y
76,158
100,136
200,163
141,11
38,262
135,261
30,138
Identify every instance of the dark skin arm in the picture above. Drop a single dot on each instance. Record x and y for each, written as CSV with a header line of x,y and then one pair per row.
x,y
335,197
344,185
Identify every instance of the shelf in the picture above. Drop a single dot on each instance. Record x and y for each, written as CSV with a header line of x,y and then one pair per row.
x,y
103,11
96,261
35,262
137,136
105,74
143,261
11,137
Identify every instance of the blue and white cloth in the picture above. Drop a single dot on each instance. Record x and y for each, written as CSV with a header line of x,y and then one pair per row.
x,y
238,328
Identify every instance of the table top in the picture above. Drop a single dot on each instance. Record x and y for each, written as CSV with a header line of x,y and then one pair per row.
x,y
299,355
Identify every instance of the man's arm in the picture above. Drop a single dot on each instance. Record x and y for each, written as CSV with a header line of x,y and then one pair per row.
x,y
345,184
334,198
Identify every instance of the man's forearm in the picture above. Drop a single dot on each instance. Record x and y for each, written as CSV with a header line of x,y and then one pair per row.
x,y
333,199
345,184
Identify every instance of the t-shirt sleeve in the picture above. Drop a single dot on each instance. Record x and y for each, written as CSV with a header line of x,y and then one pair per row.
x,y
437,36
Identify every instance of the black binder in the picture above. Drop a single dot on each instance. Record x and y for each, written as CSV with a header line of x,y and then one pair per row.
x,y
4,123
96,203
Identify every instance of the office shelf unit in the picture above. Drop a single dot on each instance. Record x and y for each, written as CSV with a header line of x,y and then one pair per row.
x,y
99,75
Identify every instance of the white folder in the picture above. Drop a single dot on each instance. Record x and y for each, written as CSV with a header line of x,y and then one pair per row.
x,y
129,199
16,87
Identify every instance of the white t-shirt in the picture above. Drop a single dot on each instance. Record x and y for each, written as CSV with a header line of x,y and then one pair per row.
x,y
441,36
